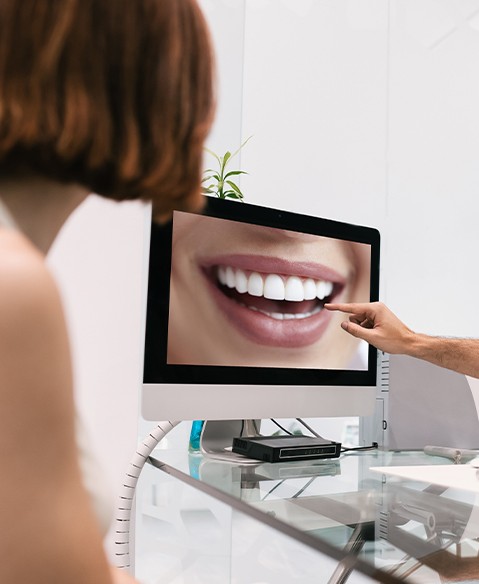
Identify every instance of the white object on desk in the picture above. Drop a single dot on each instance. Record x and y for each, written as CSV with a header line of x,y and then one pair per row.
x,y
458,455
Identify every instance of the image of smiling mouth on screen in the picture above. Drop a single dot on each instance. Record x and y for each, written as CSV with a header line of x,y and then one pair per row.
x,y
251,295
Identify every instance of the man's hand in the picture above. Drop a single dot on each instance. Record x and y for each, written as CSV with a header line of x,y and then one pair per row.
x,y
377,325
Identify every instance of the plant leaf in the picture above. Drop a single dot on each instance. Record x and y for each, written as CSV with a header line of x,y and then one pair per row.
x,y
233,195
213,154
215,176
225,159
241,146
235,188
234,173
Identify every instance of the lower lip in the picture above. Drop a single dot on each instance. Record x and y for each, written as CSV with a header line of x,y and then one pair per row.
x,y
264,330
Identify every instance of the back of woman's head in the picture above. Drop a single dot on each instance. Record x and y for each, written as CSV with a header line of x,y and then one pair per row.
x,y
115,95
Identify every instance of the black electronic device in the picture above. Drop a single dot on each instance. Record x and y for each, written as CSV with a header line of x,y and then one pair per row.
x,y
286,448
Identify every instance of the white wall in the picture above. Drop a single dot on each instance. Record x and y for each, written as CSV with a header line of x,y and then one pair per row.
x,y
432,220
98,262
315,102
361,110
368,111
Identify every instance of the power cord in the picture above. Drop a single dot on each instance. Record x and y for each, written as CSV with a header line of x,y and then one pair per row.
x,y
313,432
127,492
281,427
373,446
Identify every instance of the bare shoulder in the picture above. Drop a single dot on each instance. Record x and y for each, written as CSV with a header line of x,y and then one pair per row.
x,y
26,286
18,257
42,484
35,368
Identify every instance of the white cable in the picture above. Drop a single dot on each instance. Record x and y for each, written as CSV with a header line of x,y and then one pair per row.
x,y
127,493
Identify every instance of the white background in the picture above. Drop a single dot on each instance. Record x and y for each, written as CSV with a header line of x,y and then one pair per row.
x,y
365,111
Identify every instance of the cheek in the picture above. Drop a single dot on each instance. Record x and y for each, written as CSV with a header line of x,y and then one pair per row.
x,y
362,259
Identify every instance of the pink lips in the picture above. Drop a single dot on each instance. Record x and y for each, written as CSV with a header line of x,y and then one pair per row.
x,y
259,327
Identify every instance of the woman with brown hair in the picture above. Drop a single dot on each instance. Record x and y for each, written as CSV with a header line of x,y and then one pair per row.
x,y
105,96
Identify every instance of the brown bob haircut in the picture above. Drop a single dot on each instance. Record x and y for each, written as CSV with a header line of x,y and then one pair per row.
x,y
115,95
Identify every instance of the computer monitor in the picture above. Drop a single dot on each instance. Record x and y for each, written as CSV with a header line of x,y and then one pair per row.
x,y
235,326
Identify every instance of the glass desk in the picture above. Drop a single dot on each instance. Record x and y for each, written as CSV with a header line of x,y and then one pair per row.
x,y
200,520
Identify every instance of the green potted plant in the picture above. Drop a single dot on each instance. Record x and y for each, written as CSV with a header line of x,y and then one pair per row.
x,y
221,181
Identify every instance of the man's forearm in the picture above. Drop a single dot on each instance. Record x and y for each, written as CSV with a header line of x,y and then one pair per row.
x,y
461,355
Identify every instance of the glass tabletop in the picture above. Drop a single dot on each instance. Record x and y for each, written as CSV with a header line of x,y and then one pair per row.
x,y
385,526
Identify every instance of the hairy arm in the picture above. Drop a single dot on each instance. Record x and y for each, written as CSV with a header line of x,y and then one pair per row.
x,y
380,327
50,533
461,355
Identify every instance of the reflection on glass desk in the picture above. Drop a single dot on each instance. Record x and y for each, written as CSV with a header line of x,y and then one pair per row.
x,y
358,525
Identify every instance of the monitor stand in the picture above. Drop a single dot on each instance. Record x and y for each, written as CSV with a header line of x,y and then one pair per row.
x,y
217,438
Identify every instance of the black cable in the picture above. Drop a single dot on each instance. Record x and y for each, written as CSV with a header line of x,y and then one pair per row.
x,y
303,488
313,432
273,489
373,446
281,427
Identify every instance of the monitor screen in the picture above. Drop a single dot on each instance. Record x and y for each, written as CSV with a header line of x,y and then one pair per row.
x,y
236,293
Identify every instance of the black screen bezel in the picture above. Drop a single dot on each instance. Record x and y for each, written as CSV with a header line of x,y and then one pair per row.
x,y
157,370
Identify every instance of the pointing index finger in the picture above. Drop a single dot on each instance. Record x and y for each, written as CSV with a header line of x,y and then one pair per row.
x,y
349,308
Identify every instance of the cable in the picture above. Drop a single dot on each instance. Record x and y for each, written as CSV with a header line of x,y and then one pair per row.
x,y
281,427
127,492
373,446
273,489
304,487
313,432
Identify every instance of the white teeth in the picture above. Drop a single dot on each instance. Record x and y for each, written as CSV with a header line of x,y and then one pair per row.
x,y
230,277
222,275
309,289
241,282
294,290
276,315
274,286
323,289
255,285
286,315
